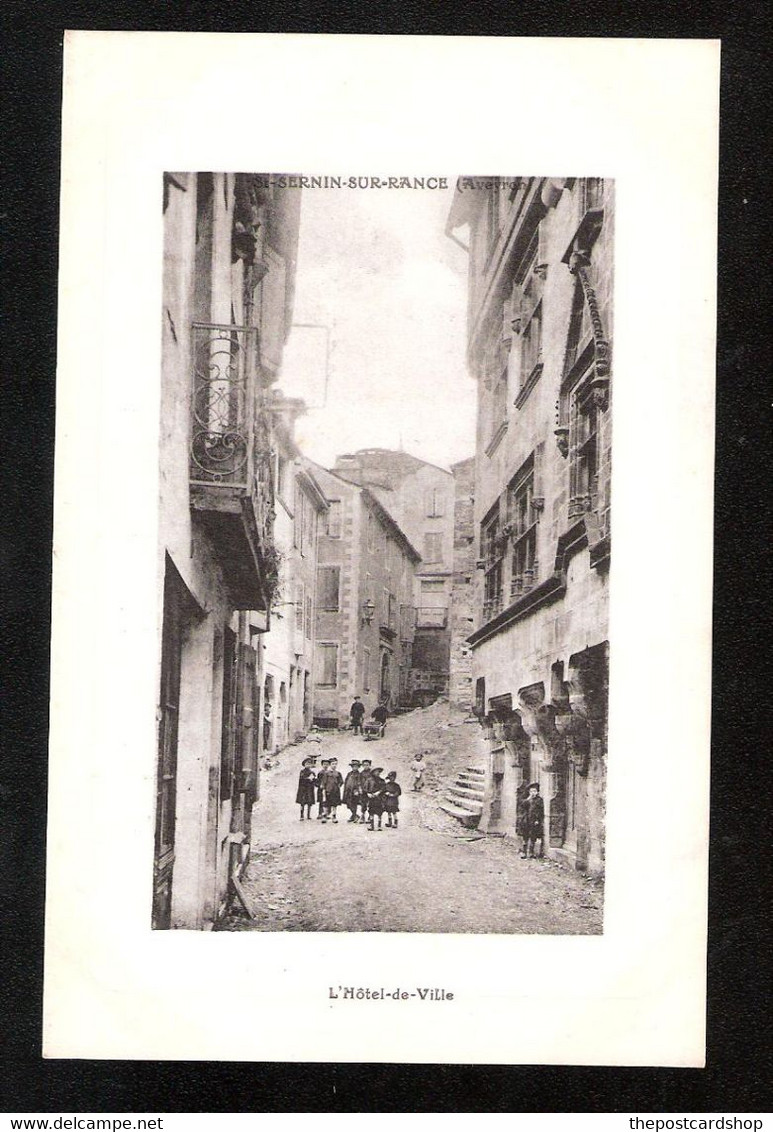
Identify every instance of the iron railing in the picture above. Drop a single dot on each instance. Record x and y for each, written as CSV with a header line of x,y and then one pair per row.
x,y
224,405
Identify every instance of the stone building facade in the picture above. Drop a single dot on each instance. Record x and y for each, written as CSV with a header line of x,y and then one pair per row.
x,y
420,497
229,256
288,648
364,623
540,348
462,607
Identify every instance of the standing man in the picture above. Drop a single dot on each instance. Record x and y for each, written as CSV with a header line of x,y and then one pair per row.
x,y
356,712
353,789
533,823
380,714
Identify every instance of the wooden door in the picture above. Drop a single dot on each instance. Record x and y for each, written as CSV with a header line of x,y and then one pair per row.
x,y
166,778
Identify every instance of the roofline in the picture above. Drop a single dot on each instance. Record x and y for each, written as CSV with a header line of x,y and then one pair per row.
x,y
397,452
322,501
392,523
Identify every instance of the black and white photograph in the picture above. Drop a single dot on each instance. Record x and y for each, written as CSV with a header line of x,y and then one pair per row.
x,y
353,719
376,618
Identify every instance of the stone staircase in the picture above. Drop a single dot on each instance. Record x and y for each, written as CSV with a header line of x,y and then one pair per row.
x,y
464,799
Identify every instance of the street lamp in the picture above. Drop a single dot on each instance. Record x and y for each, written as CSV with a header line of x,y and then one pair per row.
x,y
368,610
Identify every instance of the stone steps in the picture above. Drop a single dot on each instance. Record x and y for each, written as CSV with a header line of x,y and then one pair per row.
x,y
465,817
473,792
464,796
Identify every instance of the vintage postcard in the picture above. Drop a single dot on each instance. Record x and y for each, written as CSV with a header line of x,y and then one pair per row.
x,y
354,706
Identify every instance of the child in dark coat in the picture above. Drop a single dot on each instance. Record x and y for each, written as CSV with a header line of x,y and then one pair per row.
x,y
306,782
353,790
375,798
366,776
321,798
333,781
392,794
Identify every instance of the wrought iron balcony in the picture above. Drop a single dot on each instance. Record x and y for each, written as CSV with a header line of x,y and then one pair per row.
x,y
229,456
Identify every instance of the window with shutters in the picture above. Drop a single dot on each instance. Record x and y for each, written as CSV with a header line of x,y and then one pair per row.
x,y
327,664
328,588
334,519
297,516
434,503
433,546
384,616
300,596
228,722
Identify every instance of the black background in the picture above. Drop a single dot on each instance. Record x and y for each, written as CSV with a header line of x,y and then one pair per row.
x,y
739,1060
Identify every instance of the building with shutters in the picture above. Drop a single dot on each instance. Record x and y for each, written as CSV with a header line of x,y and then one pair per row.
x,y
288,648
229,253
540,348
420,496
365,615
462,608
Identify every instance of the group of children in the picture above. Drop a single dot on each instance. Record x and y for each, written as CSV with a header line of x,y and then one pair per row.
x,y
364,792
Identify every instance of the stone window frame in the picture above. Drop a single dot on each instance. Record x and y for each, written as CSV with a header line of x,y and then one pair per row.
x,y
434,503
322,653
334,518
492,554
436,538
522,523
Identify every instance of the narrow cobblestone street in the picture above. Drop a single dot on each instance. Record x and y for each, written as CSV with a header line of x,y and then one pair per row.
x,y
430,875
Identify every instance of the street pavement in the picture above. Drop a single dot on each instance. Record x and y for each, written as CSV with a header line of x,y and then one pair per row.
x,y
429,875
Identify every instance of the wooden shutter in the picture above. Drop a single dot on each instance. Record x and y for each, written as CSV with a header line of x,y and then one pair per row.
x,y
328,585
246,721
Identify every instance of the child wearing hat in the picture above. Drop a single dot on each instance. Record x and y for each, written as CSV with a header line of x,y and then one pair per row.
x,y
376,798
533,823
323,765
366,776
353,789
392,794
333,781
305,795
